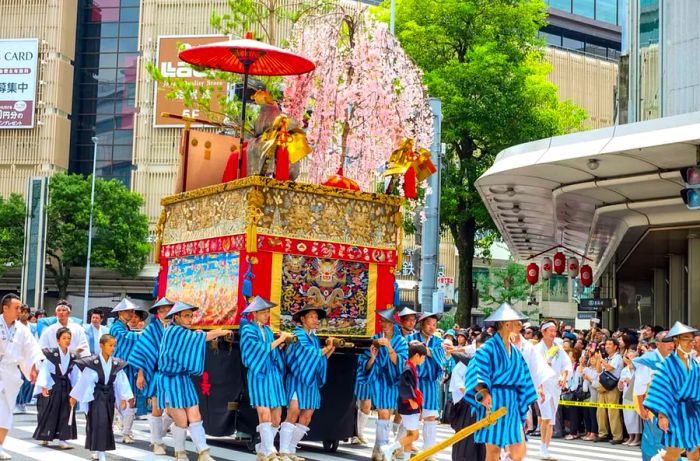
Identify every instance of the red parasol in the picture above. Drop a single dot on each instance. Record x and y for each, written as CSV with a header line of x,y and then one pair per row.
x,y
247,57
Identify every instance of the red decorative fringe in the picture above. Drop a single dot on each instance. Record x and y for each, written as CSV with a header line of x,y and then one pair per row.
x,y
282,166
409,183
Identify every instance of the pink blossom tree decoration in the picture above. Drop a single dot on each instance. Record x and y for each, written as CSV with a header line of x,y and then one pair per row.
x,y
365,95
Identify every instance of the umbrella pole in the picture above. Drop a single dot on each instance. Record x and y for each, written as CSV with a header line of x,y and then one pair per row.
x,y
245,88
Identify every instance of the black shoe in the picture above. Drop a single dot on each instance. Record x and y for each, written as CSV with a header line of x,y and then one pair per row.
x,y
616,442
600,439
536,433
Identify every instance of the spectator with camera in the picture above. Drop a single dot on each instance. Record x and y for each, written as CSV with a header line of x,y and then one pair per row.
x,y
609,367
588,369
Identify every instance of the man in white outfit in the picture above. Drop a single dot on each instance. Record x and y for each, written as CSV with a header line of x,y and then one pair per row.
x,y
18,348
78,343
559,361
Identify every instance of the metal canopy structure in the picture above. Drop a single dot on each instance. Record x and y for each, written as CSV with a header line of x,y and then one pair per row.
x,y
587,190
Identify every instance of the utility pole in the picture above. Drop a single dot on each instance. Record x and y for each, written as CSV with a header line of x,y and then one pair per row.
x,y
430,240
86,295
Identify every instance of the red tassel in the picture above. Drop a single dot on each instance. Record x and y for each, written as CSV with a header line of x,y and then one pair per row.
x,y
282,165
244,160
409,183
231,171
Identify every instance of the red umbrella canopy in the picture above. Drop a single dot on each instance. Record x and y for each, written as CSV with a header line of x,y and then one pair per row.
x,y
234,55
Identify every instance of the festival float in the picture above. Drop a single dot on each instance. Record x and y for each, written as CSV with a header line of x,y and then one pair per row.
x,y
241,224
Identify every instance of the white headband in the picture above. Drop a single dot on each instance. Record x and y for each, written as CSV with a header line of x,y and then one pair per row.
x,y
65,306
547,325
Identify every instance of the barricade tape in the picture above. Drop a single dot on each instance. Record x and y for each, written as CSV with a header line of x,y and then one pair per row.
x,y
610,406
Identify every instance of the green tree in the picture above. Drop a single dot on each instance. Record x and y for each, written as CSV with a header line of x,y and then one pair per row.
x,y
506,284
120,230
12,216
483,59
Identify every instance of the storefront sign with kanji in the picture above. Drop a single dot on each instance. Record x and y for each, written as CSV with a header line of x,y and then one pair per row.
x,y
18,58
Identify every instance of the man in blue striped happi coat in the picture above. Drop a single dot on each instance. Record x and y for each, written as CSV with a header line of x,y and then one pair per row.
x,y
261,355
144,358
498,377
126,340
382,367
674,396
407,319
182,353
429,374
307,364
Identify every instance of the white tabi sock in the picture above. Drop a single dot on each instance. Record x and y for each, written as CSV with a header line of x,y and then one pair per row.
x,y
156,424
407,455
198,436
299,433
286,436
401,433
429,434
395,428
167,422
128,421
382,437
361,422
267,438
101,456
179,437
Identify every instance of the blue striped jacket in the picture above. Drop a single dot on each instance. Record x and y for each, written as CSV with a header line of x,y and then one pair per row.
x,y
305,360
510,384
126,340
265,366
675,392
182,353
144,356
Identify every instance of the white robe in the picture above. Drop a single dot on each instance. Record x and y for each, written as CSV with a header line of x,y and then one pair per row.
x,y
46,369
559,363
84,389
78,338
539,369
19,349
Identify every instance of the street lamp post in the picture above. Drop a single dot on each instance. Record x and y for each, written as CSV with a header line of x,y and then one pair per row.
x,y
89,249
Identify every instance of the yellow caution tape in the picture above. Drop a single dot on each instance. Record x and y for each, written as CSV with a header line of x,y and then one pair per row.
x,y
611,406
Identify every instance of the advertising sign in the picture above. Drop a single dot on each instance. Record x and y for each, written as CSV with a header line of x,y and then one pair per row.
x,y
596,304
18,58
170,66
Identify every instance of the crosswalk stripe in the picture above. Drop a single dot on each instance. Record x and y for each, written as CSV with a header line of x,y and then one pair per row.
x,y
223,448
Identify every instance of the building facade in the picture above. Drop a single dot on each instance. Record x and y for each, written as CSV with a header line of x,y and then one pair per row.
x,y
94,83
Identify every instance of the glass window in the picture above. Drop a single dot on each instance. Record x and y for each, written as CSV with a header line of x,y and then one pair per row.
x,y
551,39
108,60
108,30
596,50
107,3
584,8
129,29
606,10
108,45
104,14
123,153
571,44
127,60
613,54
128,44
648,22
560,4
129,15
130,3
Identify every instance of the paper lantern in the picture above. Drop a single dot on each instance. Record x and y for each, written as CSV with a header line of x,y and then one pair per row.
x,y
572,267
533,273
559,262
586,275
546,268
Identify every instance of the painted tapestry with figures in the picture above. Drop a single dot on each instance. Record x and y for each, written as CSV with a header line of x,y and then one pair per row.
x,y
209,281
339,287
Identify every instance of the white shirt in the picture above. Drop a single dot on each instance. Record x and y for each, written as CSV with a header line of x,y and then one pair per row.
x,y
457,382
106,367
539,370
559,363
617,363
78,339
17,348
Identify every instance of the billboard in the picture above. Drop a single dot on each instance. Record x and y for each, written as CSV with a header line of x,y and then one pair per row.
x,y
170,66
18,58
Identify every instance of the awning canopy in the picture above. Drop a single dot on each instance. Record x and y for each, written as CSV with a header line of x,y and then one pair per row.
x,y
586,190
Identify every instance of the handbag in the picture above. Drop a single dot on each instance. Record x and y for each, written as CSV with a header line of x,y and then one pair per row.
x,y
608,380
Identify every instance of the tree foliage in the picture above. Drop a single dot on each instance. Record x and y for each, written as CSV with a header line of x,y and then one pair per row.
x,y
483,59
506,284
120,230
12,216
